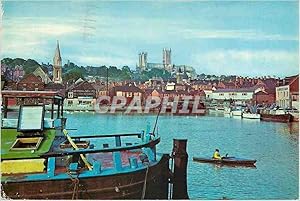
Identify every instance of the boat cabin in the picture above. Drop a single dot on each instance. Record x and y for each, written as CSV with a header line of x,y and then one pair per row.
x,y
33,132
41,160
27,130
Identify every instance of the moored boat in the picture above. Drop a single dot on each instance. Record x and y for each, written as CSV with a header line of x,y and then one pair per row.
x,y
284,118
236,111
227,110
295,115
41,160
226,161
250,116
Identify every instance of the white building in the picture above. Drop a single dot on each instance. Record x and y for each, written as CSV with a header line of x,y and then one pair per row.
x,y
287,96
170,86
283,96
239,94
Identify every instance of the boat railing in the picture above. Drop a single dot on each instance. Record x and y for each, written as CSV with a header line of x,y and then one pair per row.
x,y
68,159
13,123
147,146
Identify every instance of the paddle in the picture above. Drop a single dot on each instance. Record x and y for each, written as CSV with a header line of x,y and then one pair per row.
x,y
227,157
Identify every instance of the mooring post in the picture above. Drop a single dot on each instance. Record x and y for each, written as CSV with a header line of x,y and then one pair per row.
x,y
180,169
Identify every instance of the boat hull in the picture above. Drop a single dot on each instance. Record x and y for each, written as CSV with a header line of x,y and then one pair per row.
x,y
117,186
284,118
295,116
236,113
226,161
250,116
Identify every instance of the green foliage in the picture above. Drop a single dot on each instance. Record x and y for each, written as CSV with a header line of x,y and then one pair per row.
x,y
102,71
73,74
28,65
154,72
7,61
71,71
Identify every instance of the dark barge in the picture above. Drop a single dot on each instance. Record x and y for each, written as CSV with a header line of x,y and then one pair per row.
x,y
284,118
40,160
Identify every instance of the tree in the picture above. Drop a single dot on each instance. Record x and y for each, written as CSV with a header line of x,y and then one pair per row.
x,y
30,65
6,61
73,74
126,73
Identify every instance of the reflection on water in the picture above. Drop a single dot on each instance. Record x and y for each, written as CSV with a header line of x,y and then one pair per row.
x,y
271,144
291,130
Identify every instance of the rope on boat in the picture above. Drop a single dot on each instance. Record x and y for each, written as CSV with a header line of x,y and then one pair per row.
x,y
76,186
145,184
75,189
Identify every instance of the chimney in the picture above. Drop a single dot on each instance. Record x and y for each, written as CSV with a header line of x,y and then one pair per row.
x,y
241,81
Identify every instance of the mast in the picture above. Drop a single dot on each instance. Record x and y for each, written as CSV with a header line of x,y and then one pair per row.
x,y
107,81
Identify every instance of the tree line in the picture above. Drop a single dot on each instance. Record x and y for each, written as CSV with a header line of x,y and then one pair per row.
x,y
71,71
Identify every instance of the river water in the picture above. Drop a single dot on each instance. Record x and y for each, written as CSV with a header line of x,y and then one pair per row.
x,y
273,145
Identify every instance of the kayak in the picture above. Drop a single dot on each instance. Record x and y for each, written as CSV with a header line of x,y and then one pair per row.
x,y
226,161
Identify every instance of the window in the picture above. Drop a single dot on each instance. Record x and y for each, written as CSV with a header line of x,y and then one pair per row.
x,y
27,143
244,94
221,94
36,89
70,94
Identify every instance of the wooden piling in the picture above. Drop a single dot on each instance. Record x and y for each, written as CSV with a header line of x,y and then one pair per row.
x,y
180,169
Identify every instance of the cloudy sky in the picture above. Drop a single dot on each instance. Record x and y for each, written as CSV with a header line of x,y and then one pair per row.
x,y
220,37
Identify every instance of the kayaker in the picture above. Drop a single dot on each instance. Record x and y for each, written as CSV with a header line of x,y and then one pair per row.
x,y
217,154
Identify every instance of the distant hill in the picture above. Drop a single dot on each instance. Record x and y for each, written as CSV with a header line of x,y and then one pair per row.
x,y
29,65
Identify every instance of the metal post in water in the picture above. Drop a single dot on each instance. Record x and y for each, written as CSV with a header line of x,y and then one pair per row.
x,y
180,169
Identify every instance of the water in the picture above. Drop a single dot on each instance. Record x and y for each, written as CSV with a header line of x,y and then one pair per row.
x,y
273,145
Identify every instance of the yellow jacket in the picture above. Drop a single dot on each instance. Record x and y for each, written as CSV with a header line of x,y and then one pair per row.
x,y
217,155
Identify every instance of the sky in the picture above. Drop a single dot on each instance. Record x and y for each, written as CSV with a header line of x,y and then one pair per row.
x,y
249,38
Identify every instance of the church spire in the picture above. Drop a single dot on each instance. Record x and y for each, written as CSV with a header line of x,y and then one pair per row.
x,y
57,66
57,56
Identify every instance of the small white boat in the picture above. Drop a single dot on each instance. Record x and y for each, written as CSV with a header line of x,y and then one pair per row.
x,y
250,116
236,113
227,110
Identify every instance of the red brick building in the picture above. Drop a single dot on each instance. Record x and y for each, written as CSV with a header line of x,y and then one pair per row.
x,y
227,85
31,83
294,91
128,91
81,89
263,98
201,85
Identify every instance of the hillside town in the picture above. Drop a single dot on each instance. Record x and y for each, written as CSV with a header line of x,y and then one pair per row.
x,y
150,100
215,92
